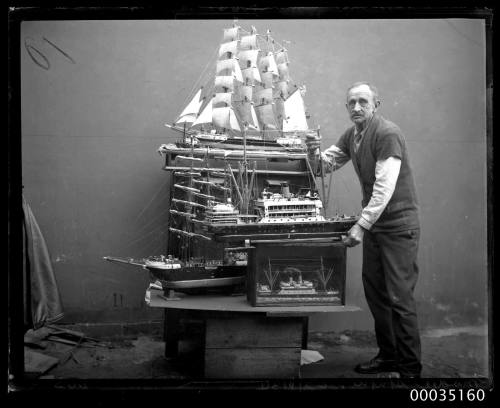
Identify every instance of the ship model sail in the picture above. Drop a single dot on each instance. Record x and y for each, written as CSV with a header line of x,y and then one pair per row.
x,y
239,170
251,95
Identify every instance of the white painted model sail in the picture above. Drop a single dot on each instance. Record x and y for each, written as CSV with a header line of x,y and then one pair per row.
x,y
267,79
295,116
264,96
229,67
247,115
224,65
237,71
231,34
265,114
225,118
248,58
282,89
205,116
231,47
189,113
251,76
268,64
283,71
245,93
224,83
279,109
248,42
223,99
255,121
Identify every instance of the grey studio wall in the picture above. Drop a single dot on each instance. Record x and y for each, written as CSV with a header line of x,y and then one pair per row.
x,y
93,117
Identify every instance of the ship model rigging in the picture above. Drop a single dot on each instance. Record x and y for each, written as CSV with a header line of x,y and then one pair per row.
x,y
239,169
251,96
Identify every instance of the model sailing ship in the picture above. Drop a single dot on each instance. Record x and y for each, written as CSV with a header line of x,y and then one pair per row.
x,y
239,169
251,96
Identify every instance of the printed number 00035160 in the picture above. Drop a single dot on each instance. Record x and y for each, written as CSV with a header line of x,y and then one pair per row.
x,y
447,394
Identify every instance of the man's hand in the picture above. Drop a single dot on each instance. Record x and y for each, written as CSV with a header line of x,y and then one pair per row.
x,y
313,143
354,236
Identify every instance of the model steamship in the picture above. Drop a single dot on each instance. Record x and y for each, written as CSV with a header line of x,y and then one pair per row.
x,y
239,169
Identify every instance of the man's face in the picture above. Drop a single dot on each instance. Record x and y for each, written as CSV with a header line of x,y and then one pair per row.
x,y
361,105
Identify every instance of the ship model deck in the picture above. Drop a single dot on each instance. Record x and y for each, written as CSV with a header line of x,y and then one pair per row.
x,y
238,170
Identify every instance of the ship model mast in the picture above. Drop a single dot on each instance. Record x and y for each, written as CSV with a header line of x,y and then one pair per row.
x,y
251,95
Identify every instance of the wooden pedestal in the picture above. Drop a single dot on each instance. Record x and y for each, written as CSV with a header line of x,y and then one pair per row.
x,y
234,340
253,347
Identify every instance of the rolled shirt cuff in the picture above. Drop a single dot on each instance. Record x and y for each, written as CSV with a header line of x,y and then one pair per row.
x,y
364,223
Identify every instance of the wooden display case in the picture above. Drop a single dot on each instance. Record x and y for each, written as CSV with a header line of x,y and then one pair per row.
x,y
296,272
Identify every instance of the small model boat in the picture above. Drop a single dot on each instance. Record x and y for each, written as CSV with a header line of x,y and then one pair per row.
x,y
174,274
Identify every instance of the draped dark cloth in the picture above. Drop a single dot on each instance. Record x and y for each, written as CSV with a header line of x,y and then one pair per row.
x,y
42,302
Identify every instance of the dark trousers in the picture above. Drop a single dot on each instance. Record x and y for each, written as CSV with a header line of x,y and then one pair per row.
x,y
390,273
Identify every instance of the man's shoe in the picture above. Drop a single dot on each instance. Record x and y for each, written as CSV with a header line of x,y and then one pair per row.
x,y
376,365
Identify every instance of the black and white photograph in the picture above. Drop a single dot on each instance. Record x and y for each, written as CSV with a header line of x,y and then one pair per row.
x,y
239,200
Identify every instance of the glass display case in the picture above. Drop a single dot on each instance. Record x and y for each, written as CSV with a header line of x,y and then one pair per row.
x,y
296,272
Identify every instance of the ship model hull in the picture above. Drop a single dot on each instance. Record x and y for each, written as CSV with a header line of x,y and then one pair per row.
x,y
333,229
174,275
199,277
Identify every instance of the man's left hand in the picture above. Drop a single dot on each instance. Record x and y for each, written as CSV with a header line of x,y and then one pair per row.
x,y
354,236
313,143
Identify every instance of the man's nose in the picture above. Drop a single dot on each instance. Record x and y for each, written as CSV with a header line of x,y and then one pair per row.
x,y
357,107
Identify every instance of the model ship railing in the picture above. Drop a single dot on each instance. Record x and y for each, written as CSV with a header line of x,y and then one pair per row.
x,y
218,153
258,171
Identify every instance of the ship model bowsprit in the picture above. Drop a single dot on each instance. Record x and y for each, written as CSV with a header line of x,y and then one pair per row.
x,y
239,171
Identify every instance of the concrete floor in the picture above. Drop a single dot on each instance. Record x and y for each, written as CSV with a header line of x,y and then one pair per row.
x,y
458,352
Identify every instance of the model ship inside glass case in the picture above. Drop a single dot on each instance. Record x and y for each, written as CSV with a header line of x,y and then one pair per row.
x,y
288,273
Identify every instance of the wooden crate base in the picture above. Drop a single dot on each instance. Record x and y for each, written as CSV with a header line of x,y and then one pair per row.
x,y
253,347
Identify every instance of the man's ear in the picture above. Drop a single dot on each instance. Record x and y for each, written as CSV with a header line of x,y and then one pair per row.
x,y
377,104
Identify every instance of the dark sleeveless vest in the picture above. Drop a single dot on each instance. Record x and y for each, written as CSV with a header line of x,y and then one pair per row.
x,y
381,140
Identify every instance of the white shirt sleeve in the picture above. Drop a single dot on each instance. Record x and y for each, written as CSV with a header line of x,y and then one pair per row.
x,y
333,159
386,177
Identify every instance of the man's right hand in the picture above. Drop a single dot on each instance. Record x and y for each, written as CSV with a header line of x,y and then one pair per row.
x,y
354,236
313,143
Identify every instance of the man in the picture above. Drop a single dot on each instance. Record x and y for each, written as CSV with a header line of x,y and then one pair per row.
x,y
388,227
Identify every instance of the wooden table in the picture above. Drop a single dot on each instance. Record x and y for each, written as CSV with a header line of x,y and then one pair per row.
x,y
241,341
